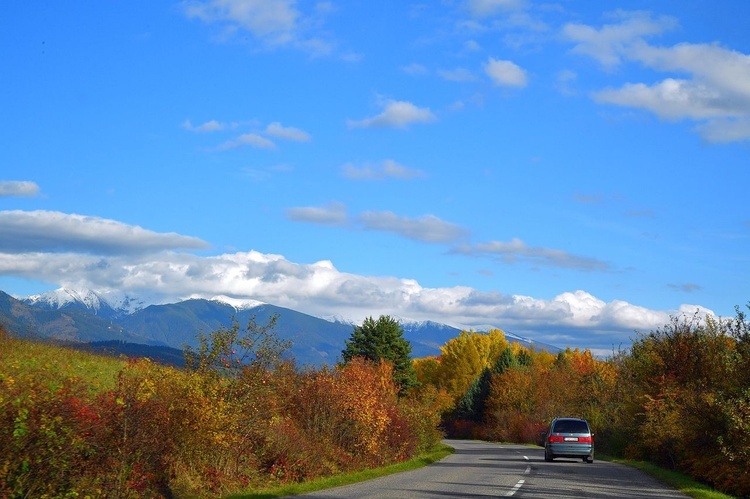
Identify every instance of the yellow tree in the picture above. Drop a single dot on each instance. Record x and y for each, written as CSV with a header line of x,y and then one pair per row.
x,y
464,357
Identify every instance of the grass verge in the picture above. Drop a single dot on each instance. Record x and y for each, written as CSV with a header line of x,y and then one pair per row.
x,y
675,479
438,453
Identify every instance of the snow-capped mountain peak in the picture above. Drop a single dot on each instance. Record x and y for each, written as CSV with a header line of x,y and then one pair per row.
x,y
100,303
62,297
237,303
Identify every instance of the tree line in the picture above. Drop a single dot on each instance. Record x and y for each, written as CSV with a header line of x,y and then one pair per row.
x,y
242,416
678,397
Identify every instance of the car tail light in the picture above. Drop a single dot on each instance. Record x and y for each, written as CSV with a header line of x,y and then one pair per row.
x,y
559,438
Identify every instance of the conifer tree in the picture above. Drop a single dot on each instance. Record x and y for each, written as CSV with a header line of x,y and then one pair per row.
x,y
383,340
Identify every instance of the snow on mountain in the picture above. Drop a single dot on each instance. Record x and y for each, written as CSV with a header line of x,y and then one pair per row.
x,y
106,303
237,303
63,297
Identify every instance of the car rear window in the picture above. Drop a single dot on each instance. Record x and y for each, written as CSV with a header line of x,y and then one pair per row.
x,y
571,426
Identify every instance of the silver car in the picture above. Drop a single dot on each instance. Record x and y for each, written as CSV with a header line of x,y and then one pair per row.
x,y
569,437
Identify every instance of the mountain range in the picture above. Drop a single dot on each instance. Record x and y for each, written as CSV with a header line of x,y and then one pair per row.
x,y
118,322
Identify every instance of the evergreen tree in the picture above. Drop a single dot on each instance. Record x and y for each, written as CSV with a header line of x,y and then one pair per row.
x,y
472,405
383,340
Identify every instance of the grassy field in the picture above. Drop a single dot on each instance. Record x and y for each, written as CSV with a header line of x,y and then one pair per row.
x,y
55,363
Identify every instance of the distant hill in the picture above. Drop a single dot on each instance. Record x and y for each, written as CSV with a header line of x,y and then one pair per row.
x,y
314,341
122,324
73,324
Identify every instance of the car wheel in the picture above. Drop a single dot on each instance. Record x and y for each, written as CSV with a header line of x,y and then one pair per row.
x,y
547,456
589,459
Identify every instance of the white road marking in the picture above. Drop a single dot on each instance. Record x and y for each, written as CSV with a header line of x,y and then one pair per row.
x,y
515,488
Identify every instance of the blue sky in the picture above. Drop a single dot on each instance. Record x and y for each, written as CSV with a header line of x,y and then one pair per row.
x,y
571,171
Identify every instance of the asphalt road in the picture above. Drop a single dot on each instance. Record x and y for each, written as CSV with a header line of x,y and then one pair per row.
x,y
482,469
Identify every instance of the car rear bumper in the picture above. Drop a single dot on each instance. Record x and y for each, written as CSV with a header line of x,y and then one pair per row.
x,y
570,450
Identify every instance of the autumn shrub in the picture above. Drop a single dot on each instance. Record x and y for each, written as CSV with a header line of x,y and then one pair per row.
x,y
423,408
215,428
42,429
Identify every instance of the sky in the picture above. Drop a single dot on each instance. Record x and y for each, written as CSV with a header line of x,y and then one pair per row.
x,y
571,171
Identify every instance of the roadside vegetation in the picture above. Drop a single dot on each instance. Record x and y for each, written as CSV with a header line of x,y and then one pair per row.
x,y
675,479
678,398
238,419
242,420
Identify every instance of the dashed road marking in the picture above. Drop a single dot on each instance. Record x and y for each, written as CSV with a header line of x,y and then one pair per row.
x,y
515,488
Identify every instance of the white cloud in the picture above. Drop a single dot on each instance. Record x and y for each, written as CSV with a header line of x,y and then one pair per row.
x,y
505,73
249,139
385,169
518,251
20,188
275,23
608,44
671,99
332,214
89,252
274,20
428,228
725,130
52,231
275,129
208,126
398,114
709,84
569,319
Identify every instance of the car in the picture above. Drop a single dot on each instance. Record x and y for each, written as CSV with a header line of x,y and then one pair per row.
x,y
569,437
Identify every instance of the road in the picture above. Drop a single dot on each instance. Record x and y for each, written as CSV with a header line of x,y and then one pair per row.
x,y
482,469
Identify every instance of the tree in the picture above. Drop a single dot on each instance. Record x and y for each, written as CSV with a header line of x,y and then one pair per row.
x,y
228,350
383,340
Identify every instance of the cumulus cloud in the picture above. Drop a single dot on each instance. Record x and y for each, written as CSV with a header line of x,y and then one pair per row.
x,y
611,42
51,231
332,214
276,129
19,188
671,99
569,319
208,126
427,228
505,73
274,23
399,114
518,251
248,139
379,171
710,84
87,252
